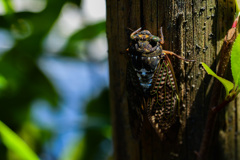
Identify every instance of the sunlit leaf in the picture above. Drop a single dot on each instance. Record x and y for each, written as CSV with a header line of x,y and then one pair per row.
x,y
235,59
237,4
227,84
8,6
15,143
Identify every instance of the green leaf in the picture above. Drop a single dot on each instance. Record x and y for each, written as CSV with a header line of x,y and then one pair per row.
x,y
15,143
235,59
7,4
237,4
227,84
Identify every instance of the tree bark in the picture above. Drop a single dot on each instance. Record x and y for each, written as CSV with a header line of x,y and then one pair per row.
x,y
194,30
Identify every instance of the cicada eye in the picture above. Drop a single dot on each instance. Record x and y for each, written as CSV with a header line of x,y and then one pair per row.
x,y
156,39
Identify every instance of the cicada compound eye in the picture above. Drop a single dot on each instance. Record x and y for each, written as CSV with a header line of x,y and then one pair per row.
x,y
156,39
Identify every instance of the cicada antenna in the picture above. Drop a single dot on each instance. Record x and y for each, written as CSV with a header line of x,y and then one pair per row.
x,y
162,37
130,29
132,35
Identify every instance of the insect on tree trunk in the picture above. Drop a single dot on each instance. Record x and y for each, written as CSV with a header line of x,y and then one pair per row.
x,y
194,30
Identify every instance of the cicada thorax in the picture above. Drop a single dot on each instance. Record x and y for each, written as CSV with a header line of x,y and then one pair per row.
x,y
144,69
150,83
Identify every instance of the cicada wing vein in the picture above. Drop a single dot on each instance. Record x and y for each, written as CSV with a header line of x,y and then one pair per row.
x,y
163,102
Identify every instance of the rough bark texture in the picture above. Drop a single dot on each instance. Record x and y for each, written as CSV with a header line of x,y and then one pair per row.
x,y
195,30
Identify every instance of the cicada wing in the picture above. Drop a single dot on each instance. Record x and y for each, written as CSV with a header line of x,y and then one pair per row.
x,y
163,102
134,104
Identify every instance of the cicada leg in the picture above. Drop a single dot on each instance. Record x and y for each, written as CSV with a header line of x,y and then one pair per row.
x,y
174,54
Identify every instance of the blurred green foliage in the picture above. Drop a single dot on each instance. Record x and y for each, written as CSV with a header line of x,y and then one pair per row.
x,y
22,82
87,33
97,137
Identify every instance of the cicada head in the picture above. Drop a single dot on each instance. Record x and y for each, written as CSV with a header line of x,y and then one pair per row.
x,y
143,43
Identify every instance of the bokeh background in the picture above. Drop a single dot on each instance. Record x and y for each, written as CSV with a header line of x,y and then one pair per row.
x,y
54,78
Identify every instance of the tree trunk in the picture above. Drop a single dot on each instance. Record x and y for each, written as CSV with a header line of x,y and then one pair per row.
x,y
194,30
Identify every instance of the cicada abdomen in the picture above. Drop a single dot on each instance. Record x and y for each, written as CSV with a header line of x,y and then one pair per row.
x,y
151,83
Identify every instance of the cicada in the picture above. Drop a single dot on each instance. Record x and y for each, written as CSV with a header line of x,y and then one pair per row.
x,y
151,83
